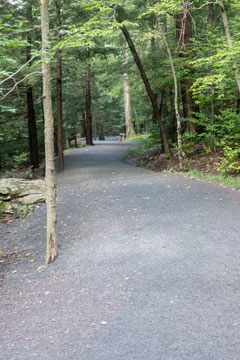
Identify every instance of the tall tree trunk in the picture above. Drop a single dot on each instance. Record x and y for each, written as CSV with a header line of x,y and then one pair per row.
x,y
210,22
150,93
210,18
83,125
127,97
184,32
229,41
179,131
32,129
89,140
99,126
59,91
52,249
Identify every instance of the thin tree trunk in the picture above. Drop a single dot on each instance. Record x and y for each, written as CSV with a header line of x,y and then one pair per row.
x,y
83,125
229,41
127,97
32,129
179,131
151,95
184,31
210,21
52,249
75,137
88,105
99,126
59,91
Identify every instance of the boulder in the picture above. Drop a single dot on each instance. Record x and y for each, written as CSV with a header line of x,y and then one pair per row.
x,y
25,191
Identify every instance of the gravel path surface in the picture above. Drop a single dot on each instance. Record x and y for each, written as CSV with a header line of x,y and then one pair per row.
x,y
149,268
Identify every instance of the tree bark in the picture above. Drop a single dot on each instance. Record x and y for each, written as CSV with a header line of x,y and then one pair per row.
x,y
32,128
83,125
210,22
210,18
99,126
89,140
127,98
50,177
59,91
179,131
150,93
184,32
229,41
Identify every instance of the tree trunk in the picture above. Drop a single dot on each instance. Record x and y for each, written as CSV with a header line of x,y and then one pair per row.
x,y
210,18
32,129
59,91
179,131
89,140
210,22
184,32
229,41
50,178
83,125
75,137
98,125
150,93
127,98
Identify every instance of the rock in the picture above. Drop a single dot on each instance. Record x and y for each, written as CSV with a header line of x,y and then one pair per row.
x,y
32,199
25,191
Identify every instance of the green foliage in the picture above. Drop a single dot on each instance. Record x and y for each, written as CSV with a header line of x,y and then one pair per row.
x,y
146,143
20,160
90,27
10,173
227,180
229,164
22,210
188,142
2,208
227,128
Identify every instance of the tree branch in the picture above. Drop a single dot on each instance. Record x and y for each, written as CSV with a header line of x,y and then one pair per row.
x,y
17,83
22,67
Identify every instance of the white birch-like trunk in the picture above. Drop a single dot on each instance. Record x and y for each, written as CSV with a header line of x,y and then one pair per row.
x,y
127,98
229,41
50,178
179,131
174,75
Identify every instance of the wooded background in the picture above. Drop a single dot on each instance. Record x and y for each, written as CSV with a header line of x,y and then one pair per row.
x,y
181,85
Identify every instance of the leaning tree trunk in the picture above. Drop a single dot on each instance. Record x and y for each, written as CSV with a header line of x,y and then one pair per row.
x,y
59,92
32,128
127,97
89,140
229,41
52,249
150,93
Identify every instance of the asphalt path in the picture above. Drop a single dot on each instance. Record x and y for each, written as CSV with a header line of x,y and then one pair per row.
x,y
149,268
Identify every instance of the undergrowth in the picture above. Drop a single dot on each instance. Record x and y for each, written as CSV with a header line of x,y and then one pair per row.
x,y
146,143
230,181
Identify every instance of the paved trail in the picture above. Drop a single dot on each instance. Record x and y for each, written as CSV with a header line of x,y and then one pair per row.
x,y
149,268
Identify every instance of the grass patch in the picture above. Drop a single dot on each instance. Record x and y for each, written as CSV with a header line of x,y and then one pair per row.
x,y
230,181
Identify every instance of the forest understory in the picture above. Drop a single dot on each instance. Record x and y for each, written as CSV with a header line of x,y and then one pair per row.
x,y
201,162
